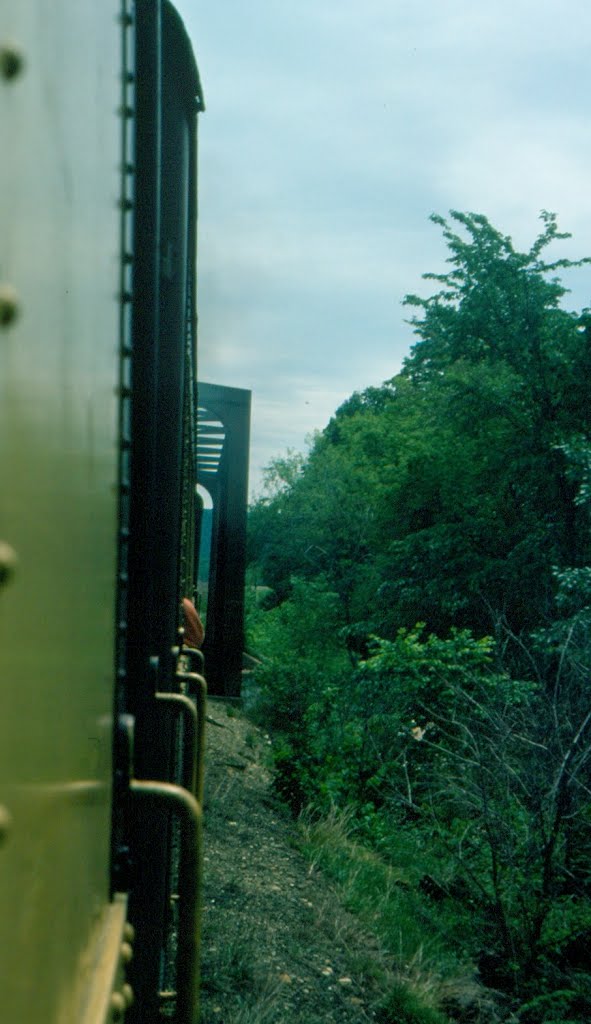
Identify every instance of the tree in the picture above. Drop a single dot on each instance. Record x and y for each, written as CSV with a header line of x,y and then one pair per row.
x,y
457,495
497,305
445,495
505,367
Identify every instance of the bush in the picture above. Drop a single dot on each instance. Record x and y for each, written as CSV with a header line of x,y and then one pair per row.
x,y
403,1007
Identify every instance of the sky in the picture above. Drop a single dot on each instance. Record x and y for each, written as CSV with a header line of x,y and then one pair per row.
x,y
332,130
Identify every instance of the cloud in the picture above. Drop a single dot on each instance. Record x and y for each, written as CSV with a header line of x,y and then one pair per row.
x,y
332,131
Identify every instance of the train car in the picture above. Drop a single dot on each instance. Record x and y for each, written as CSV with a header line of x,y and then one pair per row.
x,y
223,431
101,712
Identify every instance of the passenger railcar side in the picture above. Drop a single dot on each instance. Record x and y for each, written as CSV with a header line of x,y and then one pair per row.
x,y
99,809
157,507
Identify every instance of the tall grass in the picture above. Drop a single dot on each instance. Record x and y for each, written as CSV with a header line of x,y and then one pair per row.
x,y
426,982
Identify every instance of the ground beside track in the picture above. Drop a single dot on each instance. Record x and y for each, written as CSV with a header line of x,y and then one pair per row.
x,y
277,946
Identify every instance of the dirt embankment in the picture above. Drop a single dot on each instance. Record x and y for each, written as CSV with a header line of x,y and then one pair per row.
x,y
277,947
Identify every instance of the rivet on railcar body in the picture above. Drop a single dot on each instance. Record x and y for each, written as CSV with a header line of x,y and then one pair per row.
x,y
9,305
118,1006
8,562
12,62
5,823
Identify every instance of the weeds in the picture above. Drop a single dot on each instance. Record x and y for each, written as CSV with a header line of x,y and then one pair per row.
x,y
404,1007
415,978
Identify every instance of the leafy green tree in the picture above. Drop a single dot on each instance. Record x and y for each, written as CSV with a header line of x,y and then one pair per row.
x,y
502,368
457,495
445,495
322,526
497,305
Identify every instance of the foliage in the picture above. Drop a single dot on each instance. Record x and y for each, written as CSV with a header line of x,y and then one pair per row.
x,y
384,901
402,1007
428,738
447,495
497,305
427,664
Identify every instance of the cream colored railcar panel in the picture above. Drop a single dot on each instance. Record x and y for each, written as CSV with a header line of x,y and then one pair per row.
x,y
59,167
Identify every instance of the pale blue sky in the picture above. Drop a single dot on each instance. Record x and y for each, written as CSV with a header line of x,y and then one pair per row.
x,y
333,129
